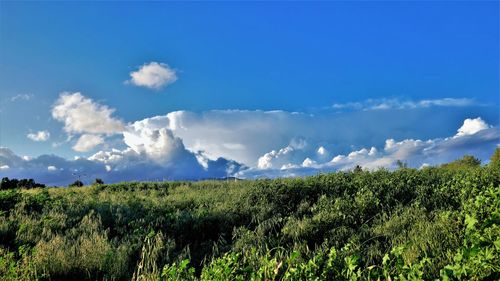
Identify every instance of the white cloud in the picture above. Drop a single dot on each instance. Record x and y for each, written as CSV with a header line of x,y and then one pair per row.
x,y
189,145
113,156
269,159
289,166
82,115
458,102
250,137
472,126
322,151
155,148
308,162
112,166
424,165
416,153
87,142
158,144
283,156
25,97
39,136
395,103
419,152
240,135
153,75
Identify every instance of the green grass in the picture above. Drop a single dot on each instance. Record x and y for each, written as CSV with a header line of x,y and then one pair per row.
x,y
434,223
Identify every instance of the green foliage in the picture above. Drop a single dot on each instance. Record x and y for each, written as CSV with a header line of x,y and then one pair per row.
x,y
77,183
98,181
401,164
495,158
468,161
479,256
7,183
434,223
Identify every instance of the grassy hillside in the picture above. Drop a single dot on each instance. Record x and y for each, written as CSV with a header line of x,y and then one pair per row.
x,y
404,225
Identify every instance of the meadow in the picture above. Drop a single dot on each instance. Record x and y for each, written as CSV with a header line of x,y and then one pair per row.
x,y
408,224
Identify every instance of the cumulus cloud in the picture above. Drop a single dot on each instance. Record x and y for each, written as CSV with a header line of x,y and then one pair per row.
x,y
83,115
159,144
247,136
153,75
271,159
87,142
394,103
218,143
39,136
308,162
284,156
154,147
322,151
480,141
233,134
111,166
472,126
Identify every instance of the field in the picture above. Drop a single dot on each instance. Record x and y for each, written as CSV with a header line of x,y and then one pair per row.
x,y
433,223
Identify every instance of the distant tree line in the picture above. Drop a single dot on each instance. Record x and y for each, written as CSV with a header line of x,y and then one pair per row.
x,y
22,183
79,183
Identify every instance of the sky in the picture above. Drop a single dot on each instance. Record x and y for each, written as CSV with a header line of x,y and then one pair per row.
x,y
172,90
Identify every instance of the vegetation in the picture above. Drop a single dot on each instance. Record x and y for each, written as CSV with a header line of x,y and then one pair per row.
x,y
495,158
468,161
77,183
434,223
98,181
7,183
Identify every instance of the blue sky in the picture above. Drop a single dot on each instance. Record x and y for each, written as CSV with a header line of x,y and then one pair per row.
x,y
395,70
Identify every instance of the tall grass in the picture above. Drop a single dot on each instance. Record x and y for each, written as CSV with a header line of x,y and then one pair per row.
x,y
406,225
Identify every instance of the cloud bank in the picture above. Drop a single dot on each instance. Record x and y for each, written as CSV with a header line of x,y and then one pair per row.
x,y
395,103
111,166
242,143
416,153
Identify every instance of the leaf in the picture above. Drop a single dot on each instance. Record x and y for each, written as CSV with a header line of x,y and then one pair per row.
x,y
294,255
183,264
470,221
385,259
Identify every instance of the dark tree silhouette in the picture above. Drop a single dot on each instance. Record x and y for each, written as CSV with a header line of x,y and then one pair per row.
x,y
98,181
7,183
77,183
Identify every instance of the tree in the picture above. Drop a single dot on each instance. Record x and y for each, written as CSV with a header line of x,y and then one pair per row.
x,y
401,164
77,183
468,161
98,181
495,158
22,183
7,183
